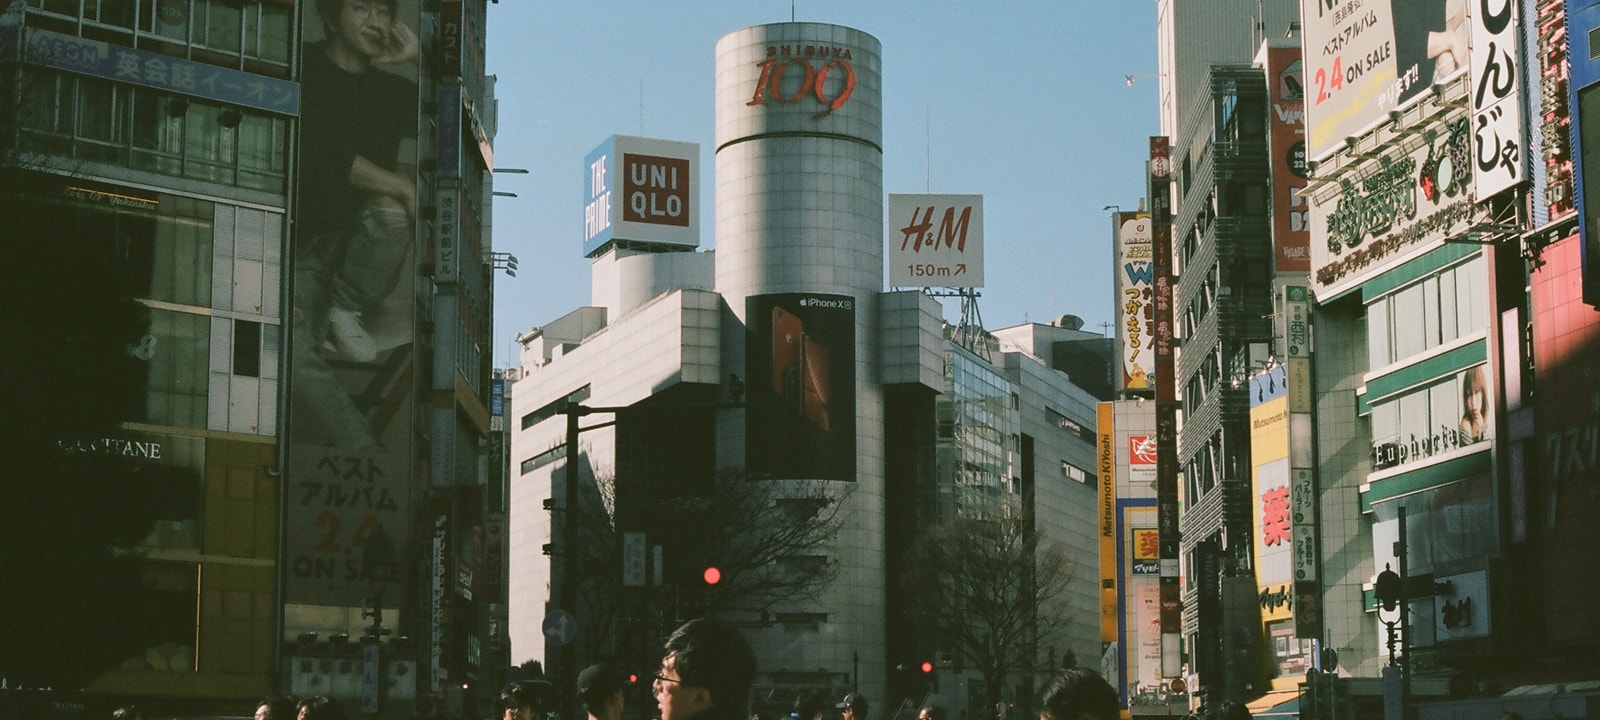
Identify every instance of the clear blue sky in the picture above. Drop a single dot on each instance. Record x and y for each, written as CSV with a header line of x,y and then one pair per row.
x,y
1025,103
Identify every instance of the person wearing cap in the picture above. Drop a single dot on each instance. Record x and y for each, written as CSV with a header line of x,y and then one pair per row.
x,y
705,674
853,706
527,700
600,691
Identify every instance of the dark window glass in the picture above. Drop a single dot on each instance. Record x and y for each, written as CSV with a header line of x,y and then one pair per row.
x,y
247,348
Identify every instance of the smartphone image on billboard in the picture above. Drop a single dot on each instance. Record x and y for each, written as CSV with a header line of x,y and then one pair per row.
x,y
787,357
814,381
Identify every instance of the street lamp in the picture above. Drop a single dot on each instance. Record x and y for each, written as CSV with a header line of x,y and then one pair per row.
x,y
1389,589
377,560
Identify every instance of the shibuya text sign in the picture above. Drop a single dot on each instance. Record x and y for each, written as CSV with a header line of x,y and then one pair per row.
x,y
796,74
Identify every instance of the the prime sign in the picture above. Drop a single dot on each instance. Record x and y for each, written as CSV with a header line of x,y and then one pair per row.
x,y
641,190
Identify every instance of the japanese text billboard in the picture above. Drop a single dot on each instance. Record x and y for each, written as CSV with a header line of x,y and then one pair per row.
x,y
1286,124
1269,461
935,241
352,255
1366,57
1136,319
1499,152
801,405
1389,210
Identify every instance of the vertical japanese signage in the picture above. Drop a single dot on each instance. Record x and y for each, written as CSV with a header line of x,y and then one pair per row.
x,y
352,370
1499,152
1166,405
1554,113
1291,237
1105,421
1306,560
641,189
1269,459
1366,58
1136,322
940,241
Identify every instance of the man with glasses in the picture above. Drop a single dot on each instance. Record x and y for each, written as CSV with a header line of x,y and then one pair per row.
x,y
705,674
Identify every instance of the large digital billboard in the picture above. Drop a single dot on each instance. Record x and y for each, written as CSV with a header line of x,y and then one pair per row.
x,y
1366,58
801,409
353,261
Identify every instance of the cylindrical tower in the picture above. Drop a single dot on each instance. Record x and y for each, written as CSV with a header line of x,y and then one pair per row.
x,y
799,261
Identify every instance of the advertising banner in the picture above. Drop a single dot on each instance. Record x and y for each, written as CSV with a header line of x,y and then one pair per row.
x,y
1286,127
641,189
1364,59
801,410
1105,419
941,241
1499,150
1146,553
1399,207
1146,627
1166,404
1136,321
1269,458
352,368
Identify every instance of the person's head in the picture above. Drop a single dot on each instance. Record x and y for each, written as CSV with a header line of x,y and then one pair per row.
x,y
275,707
1233,710
932,711
600,691
809,706
319,707
527,699
853,707
362,25
707,669
1079,694
1474,393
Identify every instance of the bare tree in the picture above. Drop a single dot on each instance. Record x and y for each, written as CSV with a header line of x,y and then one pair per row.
x,y
990,592
764,537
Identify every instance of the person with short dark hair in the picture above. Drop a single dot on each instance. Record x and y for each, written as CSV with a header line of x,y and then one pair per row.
x,y
706,673
853,707
275,707
600,691
319,707
1233,710
1079,694
527,700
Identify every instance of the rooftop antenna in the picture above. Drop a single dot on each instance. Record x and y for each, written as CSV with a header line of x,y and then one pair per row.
x,y
641,107
791,10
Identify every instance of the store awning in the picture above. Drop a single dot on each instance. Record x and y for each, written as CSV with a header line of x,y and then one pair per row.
x,y
1276,704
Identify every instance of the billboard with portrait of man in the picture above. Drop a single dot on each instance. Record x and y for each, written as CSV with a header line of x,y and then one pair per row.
x,y
353,264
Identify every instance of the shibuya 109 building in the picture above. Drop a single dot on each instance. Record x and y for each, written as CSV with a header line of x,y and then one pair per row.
x,y
704,397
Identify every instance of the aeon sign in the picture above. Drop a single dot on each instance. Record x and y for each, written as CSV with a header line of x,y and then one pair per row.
x,y
795,74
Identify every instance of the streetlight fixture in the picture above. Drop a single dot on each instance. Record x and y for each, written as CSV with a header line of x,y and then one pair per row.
x,y
1389,589
377,561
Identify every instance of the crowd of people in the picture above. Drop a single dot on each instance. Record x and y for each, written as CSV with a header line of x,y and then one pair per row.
x,y
707,669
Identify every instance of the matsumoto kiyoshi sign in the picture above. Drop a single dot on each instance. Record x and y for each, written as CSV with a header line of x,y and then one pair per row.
x,y
1382,212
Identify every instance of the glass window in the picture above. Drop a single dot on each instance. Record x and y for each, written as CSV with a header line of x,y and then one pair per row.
x,y
1407,309
247,348
179,369
1379,348
1449,325
1430,312
1472,280
223,24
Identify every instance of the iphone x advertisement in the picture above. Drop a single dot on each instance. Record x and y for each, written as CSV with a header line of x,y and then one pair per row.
x,y
801,411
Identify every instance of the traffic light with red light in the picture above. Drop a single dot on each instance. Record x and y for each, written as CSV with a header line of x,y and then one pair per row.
x,y
927,667
712,575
